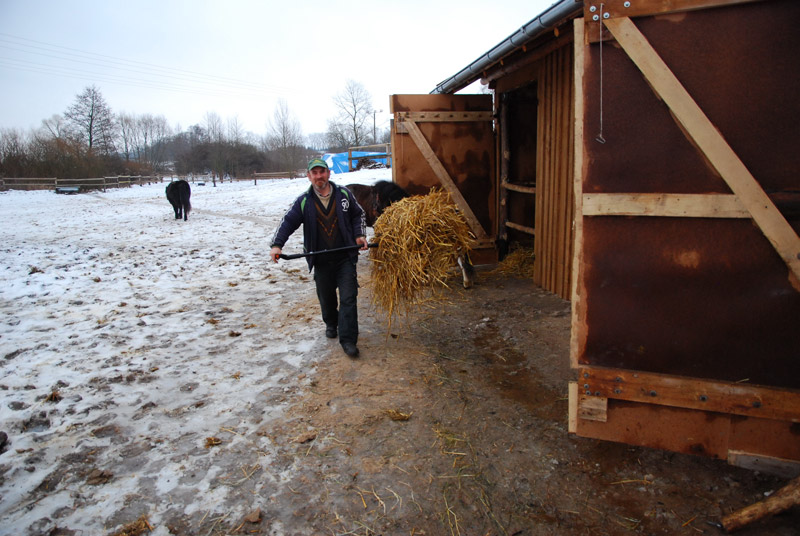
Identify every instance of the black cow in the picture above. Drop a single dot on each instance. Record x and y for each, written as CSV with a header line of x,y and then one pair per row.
x,y
178,194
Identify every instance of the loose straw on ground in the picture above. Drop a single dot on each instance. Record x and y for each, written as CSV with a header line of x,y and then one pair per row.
x,y
518,263
419,240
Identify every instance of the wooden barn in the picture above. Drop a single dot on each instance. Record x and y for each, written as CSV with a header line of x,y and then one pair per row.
x,y
648,151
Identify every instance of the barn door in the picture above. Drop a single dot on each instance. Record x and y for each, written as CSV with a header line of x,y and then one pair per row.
x,y
447,142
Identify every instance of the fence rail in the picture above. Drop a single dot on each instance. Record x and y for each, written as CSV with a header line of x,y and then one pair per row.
x,y
76,185
275,175
387,154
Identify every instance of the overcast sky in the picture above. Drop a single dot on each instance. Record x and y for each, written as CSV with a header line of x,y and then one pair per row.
x,y
185,58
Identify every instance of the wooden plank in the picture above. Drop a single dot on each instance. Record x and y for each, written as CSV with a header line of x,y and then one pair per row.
x,y
518,188
566,213
446,117
504,163
666,205
523,228
691,393
626,8
593,408
444,178
578,329
710,142
764,464
572,407
595,10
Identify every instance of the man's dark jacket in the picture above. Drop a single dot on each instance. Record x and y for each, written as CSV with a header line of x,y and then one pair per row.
x,y
352,221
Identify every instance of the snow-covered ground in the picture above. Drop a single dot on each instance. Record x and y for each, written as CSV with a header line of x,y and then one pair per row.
x,y
127,338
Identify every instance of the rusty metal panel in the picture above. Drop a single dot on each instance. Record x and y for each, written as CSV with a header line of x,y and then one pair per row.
x,y
699,297
692,297
739,64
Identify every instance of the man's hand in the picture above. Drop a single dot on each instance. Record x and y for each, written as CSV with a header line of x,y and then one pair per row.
x,y
274,252
363,241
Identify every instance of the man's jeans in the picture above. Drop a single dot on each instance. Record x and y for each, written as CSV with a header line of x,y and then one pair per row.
x,y
330,274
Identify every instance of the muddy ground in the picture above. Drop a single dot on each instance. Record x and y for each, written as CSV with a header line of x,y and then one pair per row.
x,y
455,423
451,423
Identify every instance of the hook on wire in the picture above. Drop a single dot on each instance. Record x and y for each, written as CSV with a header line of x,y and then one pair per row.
x,y
599,138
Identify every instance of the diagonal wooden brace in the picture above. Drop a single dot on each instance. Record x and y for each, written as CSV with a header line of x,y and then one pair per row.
x,y
709,141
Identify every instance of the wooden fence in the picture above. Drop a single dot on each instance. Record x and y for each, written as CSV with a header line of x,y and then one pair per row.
x,y
76,185
352,161
275,175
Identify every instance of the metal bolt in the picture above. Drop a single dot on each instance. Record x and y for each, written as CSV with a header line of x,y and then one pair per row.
x,y
585,385
703,398
627,4
653,393
617,391
597,393
757,404
606,15
595,18
593,9
585,374
588,393
617,379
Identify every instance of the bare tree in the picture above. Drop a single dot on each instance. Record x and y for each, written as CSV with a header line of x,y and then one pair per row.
x,y
351,126
56,127
317,141
92,121
13,153
216,138
154,130
285,137
235,131
127,132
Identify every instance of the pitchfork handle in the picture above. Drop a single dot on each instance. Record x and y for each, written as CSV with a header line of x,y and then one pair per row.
x,y
334,250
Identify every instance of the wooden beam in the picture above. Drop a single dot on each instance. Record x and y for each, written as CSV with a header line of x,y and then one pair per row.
x,y
665,205
518,188
764,464
617,8
709,141
444,178
443,117
578,331
691,393
523,228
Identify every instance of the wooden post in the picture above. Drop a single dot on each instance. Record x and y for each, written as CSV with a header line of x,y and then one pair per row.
x,y
781,500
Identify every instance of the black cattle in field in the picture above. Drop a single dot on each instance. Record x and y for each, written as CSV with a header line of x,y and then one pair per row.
x,y
375,198
178,194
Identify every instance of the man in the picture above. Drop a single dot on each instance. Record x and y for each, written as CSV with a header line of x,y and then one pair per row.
x,y
331,218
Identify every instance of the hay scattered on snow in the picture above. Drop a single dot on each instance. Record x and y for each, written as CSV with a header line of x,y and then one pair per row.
x,y
420,238
137,528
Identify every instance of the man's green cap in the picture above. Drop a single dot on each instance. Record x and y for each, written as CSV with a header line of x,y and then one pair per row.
x,y
317,162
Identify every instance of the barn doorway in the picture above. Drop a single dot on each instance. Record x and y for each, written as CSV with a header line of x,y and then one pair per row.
x,y
519,138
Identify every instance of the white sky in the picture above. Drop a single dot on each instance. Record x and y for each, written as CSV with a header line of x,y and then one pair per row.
x,y
182,59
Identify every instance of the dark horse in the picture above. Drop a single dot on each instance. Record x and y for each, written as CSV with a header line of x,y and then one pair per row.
x,y
178,194
376,198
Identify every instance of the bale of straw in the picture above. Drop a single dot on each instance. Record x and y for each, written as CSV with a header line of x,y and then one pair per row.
x,y
419,239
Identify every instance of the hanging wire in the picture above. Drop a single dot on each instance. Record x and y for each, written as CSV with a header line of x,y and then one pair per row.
x,y
600,138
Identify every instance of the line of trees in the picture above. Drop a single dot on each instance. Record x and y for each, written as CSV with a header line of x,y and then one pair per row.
x,y
89,140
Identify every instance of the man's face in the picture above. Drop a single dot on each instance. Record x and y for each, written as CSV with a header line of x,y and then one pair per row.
x,y
319,177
